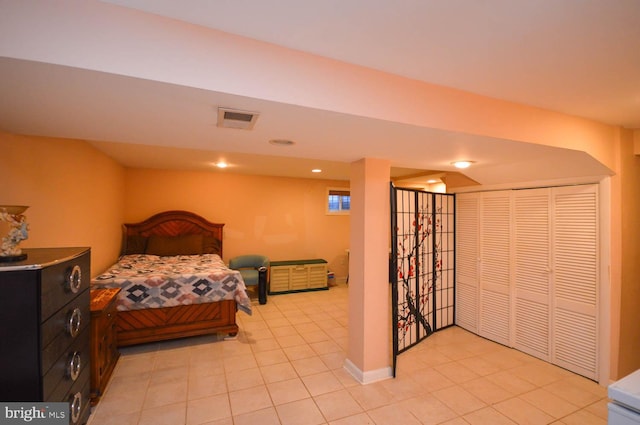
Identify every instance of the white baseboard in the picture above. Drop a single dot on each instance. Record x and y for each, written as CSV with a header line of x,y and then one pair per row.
x,y
369,376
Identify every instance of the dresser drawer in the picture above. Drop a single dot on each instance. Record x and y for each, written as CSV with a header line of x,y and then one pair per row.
x,y
63,282
79,400
67,368
64,327
78,397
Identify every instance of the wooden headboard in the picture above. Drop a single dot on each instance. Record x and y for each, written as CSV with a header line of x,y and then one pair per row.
x,y
172,224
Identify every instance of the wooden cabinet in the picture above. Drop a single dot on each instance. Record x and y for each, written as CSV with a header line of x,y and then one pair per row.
x,y
44,329
104,344
297,275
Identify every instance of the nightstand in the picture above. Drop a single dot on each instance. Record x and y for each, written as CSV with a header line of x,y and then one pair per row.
x,y
104,344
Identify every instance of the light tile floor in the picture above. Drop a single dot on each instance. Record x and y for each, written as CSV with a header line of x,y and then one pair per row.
x,y
286,367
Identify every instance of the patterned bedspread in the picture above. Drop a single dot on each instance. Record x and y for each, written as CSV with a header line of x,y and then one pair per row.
x,y
150,281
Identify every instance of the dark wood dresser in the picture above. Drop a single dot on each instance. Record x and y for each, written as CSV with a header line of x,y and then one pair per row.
x,y
44,329
104,342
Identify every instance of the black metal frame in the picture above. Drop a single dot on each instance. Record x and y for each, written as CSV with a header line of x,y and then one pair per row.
x,y
422,300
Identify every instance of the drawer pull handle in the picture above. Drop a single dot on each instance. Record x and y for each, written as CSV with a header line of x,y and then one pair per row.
x,y
74,321
75,364
75,279
75,407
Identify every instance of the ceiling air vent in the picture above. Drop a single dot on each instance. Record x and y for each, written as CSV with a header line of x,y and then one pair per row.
x,y
233,118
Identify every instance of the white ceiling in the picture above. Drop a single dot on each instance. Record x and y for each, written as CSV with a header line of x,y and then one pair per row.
x,y
576,57
573,56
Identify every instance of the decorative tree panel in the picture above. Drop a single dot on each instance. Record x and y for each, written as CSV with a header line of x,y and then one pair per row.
x,y
422,265
444,260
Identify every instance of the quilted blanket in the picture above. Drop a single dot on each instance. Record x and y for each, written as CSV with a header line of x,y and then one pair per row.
x,y
151,281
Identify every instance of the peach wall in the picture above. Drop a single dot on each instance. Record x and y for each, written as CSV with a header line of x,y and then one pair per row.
x,y
74,193
283,218
629,348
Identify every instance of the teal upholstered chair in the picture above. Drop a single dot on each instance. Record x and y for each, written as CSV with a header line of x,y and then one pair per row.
x,y
254,269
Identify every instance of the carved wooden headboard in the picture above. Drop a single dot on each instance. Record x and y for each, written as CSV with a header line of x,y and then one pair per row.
x,y
172,225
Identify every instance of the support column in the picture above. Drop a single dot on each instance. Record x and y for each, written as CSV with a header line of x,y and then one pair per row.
x,y
369,356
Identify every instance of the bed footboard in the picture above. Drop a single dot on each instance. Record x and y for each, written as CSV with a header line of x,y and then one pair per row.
x,y
159,324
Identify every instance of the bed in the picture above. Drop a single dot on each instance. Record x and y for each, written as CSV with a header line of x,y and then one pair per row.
x,y
173,281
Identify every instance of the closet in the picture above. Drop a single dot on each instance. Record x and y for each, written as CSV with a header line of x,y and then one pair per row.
x,y
527,271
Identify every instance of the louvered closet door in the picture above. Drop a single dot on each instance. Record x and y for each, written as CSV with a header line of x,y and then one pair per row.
x,y
575,279
495,247
467,255
531,275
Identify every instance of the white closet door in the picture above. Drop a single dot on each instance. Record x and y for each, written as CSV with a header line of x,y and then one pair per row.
x,y
467,256
536,285
575,279
495,250
531,275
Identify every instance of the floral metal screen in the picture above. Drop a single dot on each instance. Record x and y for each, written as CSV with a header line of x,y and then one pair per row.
x,y
422,265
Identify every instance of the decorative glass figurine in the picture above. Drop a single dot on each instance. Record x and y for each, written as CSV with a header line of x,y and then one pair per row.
x,y
18,231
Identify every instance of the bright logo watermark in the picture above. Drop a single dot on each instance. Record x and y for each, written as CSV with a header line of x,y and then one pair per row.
x,y
34,413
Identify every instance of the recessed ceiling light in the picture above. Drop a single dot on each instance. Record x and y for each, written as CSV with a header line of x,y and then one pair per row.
x,y
432,181
221,164
282,142
316,170
462,164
